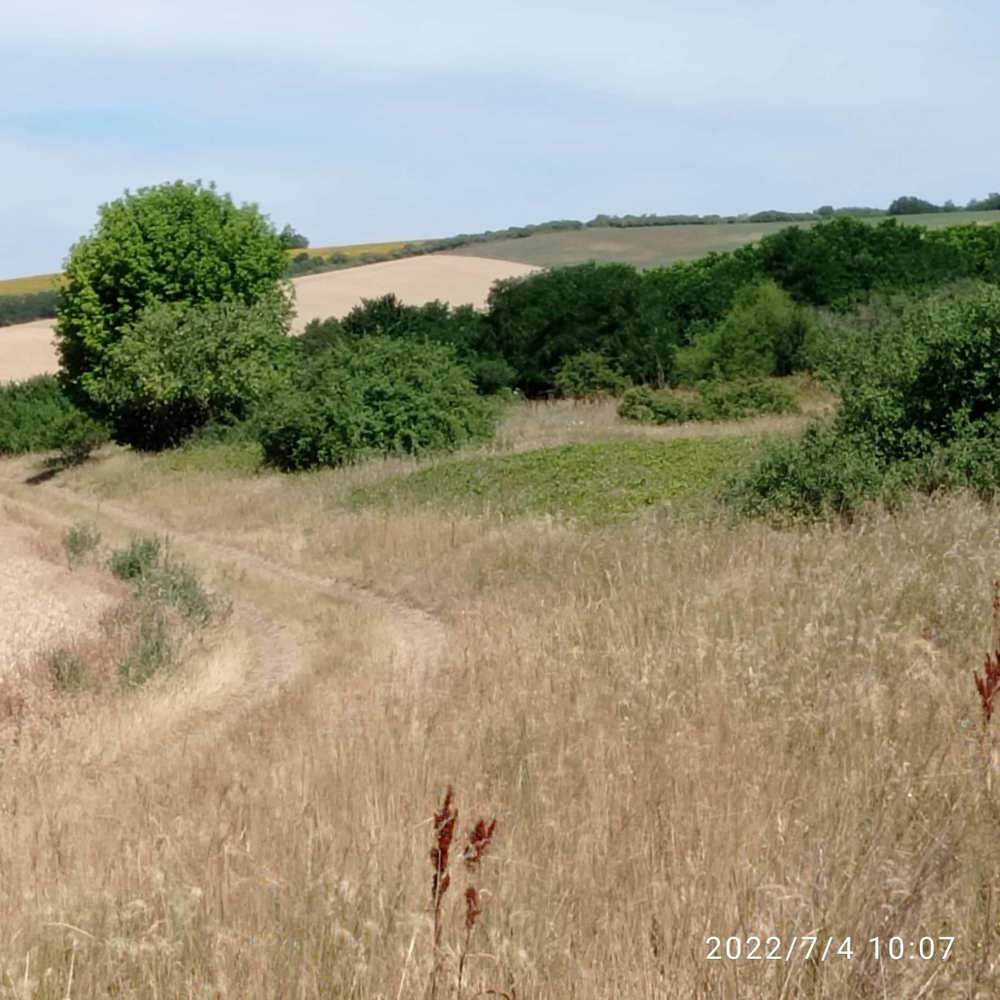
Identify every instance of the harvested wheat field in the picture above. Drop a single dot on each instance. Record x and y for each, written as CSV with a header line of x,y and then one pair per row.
x,y
42,603
415,280
686,728
27,349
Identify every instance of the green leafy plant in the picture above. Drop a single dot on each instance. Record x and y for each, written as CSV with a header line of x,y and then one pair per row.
x,y
374,395
152,650
79,541
137,559
764,333
588,374
33,415
175,243
180,367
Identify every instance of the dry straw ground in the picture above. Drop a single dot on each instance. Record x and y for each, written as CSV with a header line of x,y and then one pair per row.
x,y
686,728
27,349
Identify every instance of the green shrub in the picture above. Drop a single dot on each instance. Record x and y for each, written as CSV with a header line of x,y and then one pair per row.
x,y
32,415
739,399
637,404
716,401
29,307
587,374
180,367
137,559
538,321
151,652
176,243
919,411
820,474
491,375
79,541
765,333
642,404
175,585
375,395
79,435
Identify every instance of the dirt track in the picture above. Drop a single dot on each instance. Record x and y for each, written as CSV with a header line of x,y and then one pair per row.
x,y
42,602
27,349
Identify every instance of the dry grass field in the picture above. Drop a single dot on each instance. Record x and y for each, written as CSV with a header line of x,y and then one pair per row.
x,y
656,246
27,349
685,727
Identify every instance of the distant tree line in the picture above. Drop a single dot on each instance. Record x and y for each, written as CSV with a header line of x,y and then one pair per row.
x,y
911,205
686,321
26,308
305,263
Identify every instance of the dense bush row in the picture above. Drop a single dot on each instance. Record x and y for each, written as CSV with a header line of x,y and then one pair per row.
x,y
749,313
920,409
27,308
36,415
724,400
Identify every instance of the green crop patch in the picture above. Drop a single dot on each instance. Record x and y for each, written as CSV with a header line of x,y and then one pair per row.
x,y
596,482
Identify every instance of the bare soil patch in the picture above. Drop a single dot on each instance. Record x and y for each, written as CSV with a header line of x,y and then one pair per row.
x,y
28,349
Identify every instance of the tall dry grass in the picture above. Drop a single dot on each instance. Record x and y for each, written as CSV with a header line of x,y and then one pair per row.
x,y
685,730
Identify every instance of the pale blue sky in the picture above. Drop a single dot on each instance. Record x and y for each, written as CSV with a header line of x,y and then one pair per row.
x,y
389,120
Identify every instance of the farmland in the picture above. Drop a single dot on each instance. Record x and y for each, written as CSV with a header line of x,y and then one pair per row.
x,y
648,704
656,246
688,648
27,349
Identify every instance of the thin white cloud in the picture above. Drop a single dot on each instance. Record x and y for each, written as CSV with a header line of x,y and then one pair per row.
x,y
772,51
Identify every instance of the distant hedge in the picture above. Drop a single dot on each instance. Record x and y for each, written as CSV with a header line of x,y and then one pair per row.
x,y
740,313
27,308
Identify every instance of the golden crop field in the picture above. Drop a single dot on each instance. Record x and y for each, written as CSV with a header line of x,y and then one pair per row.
x,y
30,285
355,249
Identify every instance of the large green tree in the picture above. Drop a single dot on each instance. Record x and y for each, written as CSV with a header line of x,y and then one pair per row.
x,y
174,243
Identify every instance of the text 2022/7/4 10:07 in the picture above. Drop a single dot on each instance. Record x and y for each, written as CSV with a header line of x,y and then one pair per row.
x,y
772,948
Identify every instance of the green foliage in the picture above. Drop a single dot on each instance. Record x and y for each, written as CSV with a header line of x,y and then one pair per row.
x,y
715,401
844,259
823,473
919,410
597,483
743,398
292,240
588,374
173,584
151,652
540,320
79,541
79,435
911,205
180,367
641,404
26,308
176,243
927,379
373,395
138,559
33,415
764,333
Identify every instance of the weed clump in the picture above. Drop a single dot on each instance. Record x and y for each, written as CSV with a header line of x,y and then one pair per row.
x,y
67,669
152,650
137,559
79,541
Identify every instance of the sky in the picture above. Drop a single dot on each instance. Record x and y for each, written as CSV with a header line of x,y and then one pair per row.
x,y
387,119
